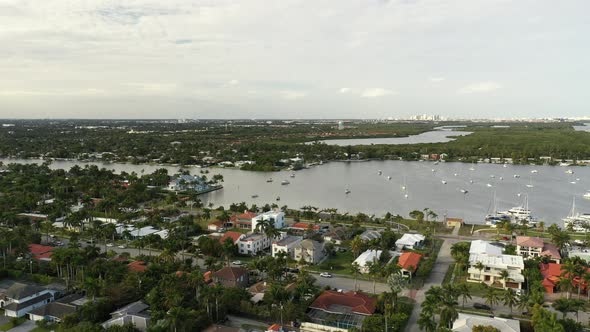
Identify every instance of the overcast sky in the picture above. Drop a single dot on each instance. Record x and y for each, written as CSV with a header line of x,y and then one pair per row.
x,y
293,59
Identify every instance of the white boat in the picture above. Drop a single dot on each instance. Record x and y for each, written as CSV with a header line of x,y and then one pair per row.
x,y
472,168
587,195
521,214
573,182
389,178
464,191
269,180
278,198
471,181
433,170
444,182
492,176
569,171
292,175
530,184
505,165
436,162
516,176
576,221
285,182
501,178
489,185
406,196
379,172
456,174
254,196
347,191
534,171
564,164
493,216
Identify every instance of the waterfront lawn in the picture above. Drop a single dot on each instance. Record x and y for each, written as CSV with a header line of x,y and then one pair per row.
x,y
467,229
423,226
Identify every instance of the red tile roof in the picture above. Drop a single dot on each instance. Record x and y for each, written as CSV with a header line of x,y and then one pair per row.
x,y
230,273
357,302
137,266
235,236
551,250
245,215
304,226
207,276
409,261
529,241
274,327
39,251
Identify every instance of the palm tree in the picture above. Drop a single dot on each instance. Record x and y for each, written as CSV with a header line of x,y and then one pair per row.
x,y
374,270
267,227
509,299
586,279
355,269
563,305
463,291
504,277
177,315
491,297
568,274
356,245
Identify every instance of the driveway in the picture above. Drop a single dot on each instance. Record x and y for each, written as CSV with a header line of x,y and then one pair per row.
x,y
24,327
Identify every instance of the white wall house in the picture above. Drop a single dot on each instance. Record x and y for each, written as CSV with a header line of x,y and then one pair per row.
x,y
19,299
310,251
286,245
277,217
491,267
410,241
255,242
367,257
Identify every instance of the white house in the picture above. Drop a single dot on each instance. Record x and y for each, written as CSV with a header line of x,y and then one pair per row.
x,y
466,323
277,217
487,267
19,299
367,257
484,247
256,242
135,314
58,310
410,241
286,245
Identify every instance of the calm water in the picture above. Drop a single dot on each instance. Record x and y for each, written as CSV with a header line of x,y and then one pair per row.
x,y
550,199
437,136
585,127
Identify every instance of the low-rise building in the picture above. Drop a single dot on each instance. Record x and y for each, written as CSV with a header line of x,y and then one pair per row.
x,y
234,236
410,241
365,259
341,310
408,263
40,252
231,276
58,310
135,314
286,245
254,243
529,246
371,234
242,220
310,251
491,269
467,322
19,298
276,217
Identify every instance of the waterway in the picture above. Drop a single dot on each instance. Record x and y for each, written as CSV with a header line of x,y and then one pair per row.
x,y
436,136
550,198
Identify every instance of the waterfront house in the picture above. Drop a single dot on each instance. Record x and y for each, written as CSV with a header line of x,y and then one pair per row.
x,y
242,220
486,264
341,310
410,241
286,245
528,246
276,217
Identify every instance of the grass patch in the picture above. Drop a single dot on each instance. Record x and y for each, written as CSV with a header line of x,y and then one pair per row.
x,y
466,229
12,323
449,274
338,264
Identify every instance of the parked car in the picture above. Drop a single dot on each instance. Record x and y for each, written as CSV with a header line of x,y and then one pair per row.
x,y
238,263
325,275
481,306
109,244
122,246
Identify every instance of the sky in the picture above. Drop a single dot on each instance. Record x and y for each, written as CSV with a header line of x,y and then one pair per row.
x,y
294,58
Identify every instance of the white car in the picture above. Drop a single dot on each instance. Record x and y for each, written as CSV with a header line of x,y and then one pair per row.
x,y
325,275
238,263
122,246
109,244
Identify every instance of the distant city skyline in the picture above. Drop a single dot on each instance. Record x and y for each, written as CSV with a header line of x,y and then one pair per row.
x,y
294,59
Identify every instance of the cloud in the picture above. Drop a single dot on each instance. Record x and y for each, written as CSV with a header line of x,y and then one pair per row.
x,y
152,88
437,79
376,92
344,90
233,82
480,87
53,93
291,95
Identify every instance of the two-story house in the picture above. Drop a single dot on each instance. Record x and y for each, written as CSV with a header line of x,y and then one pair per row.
x,y
488,265
230,276
310,251
19,299
254,243
276,217
529,246
286,245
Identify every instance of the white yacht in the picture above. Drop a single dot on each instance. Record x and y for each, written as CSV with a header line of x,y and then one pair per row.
x,y
521,214
493,217
464,191
379,172
489,185
516,176
534,171
444,181
347,191
269,180
587,195
285,182
389,178
576,221
569,171
292,175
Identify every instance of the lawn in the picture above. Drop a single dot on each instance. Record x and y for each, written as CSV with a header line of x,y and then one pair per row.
x,y
449,274
338,264
12,323
467,229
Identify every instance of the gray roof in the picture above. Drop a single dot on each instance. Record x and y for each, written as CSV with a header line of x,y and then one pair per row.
x,y
55,309
132,308
370,235
310,245
18,306
18,290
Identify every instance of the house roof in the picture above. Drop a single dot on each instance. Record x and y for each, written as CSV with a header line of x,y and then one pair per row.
x,y
370,234
409,239
305,226
551,250
19,290
230,273
40,252
14,306
246,215
274,327
310,245
466,323
60,308
484,247
409,261
217,223
137,266
356,302
207,276
235,236
368,256
529,241
131,309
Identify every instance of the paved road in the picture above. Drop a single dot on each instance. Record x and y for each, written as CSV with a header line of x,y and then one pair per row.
x,y
348,284
24,327
435,279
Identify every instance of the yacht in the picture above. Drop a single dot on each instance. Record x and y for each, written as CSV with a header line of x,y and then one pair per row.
x,y
493,217
516,176
521,214
534,171
455,174
576,221
379,172
406,196
587,195
464,191
444,182
489,185
254,196
347,191
569,171
505,165
389,178
292,175
278,198
472,168
269,180
285,182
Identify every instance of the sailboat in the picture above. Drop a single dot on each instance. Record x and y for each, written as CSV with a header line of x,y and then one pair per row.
x,y
404,187
493,217
444,181
577,222
530,184
521,213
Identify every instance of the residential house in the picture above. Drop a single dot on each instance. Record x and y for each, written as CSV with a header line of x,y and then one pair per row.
x,y
529,246
302,227
484,247
254,243
408,263
551,276
370,234
137,266
186,182
19,298
410,241
286,245
56,311
367,257
259,289
341,310
492,266
453,222
230,276
136,314
40,252
276,217
234,236
215,226
242,220
310,251
467,323
336,235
